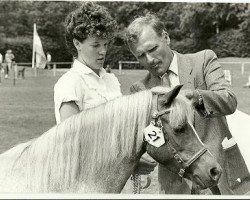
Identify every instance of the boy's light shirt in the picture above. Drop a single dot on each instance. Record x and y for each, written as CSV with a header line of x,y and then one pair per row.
x,y
83,86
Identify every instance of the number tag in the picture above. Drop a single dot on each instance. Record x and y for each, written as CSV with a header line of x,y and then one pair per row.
x,y
154,135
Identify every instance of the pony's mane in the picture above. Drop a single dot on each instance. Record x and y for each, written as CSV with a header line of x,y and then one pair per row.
x,y
88,142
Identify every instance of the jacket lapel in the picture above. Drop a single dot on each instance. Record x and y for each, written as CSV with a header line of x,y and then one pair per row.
x,y
186,77
185,71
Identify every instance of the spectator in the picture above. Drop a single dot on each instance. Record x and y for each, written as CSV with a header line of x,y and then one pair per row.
x,y
1,61
108,69
9,57
48,60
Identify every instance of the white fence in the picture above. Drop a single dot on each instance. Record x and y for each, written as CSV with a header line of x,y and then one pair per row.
x,y
125,62
54,64
228,76
242,64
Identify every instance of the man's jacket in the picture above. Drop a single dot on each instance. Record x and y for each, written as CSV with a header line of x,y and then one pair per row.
x,y
202,71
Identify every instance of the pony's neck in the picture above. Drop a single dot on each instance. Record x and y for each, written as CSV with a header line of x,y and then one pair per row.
x,y
115,152
94,151
113,179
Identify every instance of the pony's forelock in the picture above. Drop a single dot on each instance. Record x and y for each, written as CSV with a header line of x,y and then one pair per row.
x,y
181,112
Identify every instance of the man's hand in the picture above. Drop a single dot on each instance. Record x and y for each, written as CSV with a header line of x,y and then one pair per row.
x,y
196,101
192,95
145,166
188,93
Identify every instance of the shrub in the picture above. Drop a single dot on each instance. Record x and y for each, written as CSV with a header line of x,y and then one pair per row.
x,y
184,46
230,43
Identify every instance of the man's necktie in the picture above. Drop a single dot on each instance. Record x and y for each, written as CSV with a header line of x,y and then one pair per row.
x,y
165,81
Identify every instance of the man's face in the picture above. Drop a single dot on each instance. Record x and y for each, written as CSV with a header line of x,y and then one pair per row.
x,y
152,51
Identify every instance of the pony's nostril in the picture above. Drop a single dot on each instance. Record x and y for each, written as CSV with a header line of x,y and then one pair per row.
x,y
215,173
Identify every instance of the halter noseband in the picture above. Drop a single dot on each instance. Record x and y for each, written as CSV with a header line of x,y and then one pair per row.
x,y
157,122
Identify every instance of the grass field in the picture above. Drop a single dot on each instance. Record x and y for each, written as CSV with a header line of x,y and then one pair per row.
x,y
27,110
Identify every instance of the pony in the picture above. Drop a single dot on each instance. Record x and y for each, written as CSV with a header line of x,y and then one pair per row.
x,y
97,150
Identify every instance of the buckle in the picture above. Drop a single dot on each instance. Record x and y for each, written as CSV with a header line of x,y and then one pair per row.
x,y
178,158
155,115
200,99
181,172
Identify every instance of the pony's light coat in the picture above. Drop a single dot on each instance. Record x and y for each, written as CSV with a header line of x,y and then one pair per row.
x,y
84,149
84,144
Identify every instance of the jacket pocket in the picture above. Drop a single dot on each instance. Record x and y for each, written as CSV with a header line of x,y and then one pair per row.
x,y
235,167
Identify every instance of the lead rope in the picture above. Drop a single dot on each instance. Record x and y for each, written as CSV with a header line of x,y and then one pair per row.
x,y
136,179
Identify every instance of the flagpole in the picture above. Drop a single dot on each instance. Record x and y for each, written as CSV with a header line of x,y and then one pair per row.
x,y
38,56
33,52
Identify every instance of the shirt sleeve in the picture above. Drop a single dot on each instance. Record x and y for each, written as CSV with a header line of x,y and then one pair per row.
x,y
66,90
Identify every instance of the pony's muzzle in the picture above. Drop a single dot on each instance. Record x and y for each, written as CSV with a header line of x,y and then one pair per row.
x,y
206,171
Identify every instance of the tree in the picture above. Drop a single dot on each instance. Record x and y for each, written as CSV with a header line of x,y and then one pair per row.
x,y
191,26
202,21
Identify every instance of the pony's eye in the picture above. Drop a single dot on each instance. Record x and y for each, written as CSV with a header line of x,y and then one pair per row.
x,y
180,130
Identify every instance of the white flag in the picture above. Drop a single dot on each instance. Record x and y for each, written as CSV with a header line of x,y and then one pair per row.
x,y
38,50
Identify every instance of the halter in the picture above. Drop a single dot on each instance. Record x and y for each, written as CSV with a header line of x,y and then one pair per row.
x,y
157,122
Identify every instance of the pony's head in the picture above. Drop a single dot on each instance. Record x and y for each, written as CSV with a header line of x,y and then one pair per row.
x,y
182,152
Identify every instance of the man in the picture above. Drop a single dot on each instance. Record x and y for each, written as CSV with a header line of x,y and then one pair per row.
x,y
1,61
48,60
206,87
9,57
108,69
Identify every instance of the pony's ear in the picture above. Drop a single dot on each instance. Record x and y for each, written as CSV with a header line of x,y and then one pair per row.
x,y
169,97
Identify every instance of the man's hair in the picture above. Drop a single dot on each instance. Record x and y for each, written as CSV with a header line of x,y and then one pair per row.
x,y
135,27
90,19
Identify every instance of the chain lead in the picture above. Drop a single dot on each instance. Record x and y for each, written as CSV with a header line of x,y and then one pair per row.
x,y
136,178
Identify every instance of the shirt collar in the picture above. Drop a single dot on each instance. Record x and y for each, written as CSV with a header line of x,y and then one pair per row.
x,y
84,69
174,66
